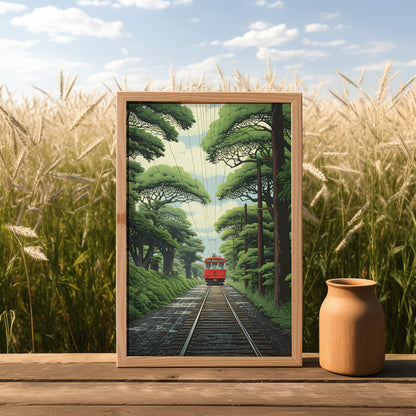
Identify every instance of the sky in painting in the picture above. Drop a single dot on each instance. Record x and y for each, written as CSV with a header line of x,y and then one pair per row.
x,y
100,40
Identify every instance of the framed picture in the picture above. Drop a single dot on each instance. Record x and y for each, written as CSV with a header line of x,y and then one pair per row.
x,y
209,229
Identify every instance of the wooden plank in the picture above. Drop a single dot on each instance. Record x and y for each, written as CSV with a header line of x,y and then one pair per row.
x,y
307,358
58,358
395,371
384,395
195,411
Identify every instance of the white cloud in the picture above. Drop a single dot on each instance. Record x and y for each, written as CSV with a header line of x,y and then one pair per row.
x,y
270,36
376,66
341,27
351,47
376,47
124,65
11,7
57,23
410,63
316,27
281,55
259,25
269,5
63,39
147,4
330,15
329,43
371,48
185,2
95,3
202,67
194,20
24,64
133,81
294,66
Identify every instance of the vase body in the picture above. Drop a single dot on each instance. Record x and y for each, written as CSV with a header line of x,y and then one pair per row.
x,y
351,328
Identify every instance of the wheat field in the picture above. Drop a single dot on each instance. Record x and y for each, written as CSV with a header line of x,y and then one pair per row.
x,y
57,211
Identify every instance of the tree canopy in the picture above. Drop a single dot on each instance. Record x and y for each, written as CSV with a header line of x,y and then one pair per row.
x,y
241,132
163,184
149,123
242,184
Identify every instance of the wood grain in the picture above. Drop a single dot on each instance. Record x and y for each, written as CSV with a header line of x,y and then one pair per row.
x,y
41,385
393,395
196,411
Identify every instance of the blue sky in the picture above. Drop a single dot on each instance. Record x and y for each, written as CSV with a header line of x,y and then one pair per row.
x,y
102,39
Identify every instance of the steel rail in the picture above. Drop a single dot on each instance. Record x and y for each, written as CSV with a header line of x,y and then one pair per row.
x,y
191,332
243,329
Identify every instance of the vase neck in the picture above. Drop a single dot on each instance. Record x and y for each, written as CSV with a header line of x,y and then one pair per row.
x,y
351,291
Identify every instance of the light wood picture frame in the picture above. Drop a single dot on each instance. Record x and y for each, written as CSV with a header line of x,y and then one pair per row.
x,y
261,132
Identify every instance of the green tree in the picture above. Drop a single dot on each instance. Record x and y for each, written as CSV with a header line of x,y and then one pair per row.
x,y
174,221
245,134
149,123
144,235
242,184
161,184
197,270
188,252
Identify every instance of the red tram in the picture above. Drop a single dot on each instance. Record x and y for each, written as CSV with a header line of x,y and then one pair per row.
x,y
214,272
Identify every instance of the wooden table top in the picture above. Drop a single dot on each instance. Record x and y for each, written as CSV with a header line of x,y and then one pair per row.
x,y
68,384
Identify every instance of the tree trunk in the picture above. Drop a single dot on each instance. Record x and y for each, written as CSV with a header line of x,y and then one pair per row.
x,y
168,257
282,244
135,256
188,273
245,247
260,249
148,257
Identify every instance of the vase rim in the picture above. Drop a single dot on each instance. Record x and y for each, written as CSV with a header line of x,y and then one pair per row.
x,y
350,282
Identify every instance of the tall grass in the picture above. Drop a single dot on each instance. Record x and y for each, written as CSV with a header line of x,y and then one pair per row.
x,y
57,176
365,226
57,157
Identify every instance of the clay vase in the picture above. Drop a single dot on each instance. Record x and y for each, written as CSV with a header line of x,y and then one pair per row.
x,y
351,328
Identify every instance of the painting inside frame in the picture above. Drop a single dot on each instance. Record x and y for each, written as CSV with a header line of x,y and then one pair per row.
x,y
208,229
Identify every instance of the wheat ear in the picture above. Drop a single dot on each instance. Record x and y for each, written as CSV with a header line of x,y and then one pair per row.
x,y
86,112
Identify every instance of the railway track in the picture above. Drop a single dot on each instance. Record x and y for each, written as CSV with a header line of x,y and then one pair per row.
x,y
217,329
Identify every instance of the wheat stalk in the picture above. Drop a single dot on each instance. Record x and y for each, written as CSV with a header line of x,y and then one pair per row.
x,y
22,231
69,88
61,84
78,121
340,99
358,214
360,80
383,81
18,164
13,122
73,177
348,236
308,167
89,149
35,252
